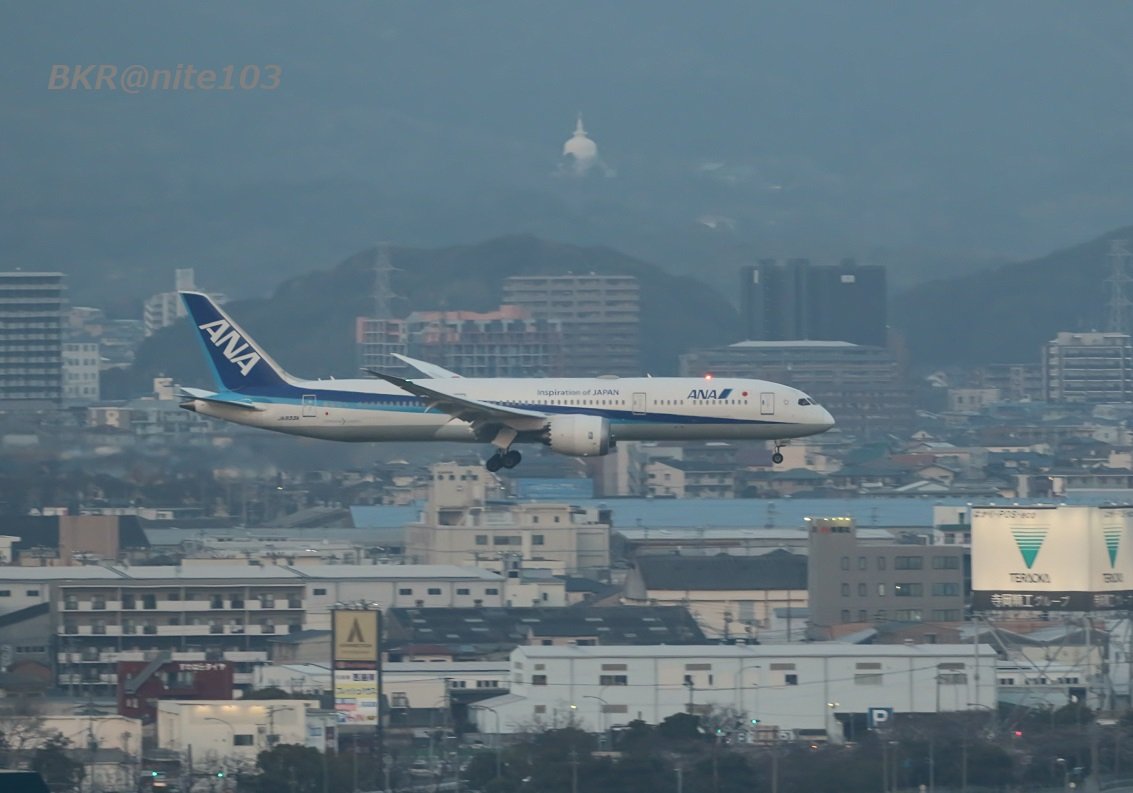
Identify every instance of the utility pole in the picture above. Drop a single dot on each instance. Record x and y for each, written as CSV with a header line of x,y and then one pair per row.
x,y
573,770
775,765
680,779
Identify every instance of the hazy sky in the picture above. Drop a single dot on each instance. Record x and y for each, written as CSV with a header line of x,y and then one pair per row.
x,y
943,134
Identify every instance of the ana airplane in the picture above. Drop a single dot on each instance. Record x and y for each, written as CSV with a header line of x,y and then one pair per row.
x,y
582,417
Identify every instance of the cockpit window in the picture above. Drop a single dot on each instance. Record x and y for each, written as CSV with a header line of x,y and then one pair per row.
x,y
806,401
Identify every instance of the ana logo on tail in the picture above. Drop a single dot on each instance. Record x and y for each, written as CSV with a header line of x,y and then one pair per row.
x,y
233,347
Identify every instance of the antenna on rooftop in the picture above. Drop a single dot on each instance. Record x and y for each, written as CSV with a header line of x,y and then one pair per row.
x,y
1118,280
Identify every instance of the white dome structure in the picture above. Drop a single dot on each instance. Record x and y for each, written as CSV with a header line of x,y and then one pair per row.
x,y
581,148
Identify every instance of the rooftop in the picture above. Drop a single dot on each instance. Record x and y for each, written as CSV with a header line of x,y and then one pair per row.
x,y
775,570
757,651
199,572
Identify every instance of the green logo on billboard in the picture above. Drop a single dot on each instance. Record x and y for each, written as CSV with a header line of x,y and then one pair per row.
x,y
1029,542
1112,536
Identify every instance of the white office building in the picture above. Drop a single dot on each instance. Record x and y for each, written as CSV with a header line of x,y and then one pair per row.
x,y
226,735
407,684
794,690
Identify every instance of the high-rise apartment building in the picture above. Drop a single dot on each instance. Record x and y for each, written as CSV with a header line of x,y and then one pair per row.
x,y
507,342
81,371
377,340
600,316
1088,367
799,300
31,337
163,309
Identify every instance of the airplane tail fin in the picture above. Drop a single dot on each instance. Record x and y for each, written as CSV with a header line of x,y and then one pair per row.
x,y
236,360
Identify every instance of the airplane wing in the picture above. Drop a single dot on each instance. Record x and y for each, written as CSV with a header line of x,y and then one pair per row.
x,y
473,411
219,399
426,368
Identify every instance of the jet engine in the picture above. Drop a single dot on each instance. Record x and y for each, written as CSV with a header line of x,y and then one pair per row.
x,y
578,436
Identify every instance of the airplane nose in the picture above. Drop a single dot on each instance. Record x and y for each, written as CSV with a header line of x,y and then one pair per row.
x,y
827,420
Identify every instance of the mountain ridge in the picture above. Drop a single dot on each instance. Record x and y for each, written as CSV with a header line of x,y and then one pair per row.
x,y
307,324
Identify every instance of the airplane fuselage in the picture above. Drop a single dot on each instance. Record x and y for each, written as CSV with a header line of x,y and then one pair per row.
x,y
638,408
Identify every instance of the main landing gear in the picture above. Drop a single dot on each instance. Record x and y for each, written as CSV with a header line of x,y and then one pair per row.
x,y
503,459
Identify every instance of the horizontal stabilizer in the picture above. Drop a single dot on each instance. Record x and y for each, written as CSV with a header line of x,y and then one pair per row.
x,y
220,399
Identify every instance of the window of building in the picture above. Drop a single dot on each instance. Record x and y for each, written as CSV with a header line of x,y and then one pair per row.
x,y
862,563
33,593
791,680
463,591
908,563
862,590
536,539
433,590
404,591
862,616
5,593
540,710
913,589
845,563
881,590
538,680
320,591
845,615
242,740
481,539
845,590
946,563
943,588
907,615
881,563
613,680
491,591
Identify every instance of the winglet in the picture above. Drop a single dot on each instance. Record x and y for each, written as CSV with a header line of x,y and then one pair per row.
x,y
236,360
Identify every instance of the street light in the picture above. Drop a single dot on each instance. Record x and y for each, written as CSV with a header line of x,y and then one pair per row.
x,y
740,679
601,717
495,738
832,717
232,746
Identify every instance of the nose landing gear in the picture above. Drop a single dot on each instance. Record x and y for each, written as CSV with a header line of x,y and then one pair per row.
x,y
777,457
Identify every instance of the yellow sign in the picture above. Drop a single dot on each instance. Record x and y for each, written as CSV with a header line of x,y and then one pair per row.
x,y
355,635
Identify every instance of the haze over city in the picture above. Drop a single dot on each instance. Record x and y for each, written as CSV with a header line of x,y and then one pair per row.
x,y
527,398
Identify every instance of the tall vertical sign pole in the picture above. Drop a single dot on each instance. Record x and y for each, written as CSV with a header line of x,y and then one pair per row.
x,y
381,731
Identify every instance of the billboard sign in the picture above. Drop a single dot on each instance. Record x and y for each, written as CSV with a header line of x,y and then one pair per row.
x,y
1056,558
356,696
356,649
355,635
